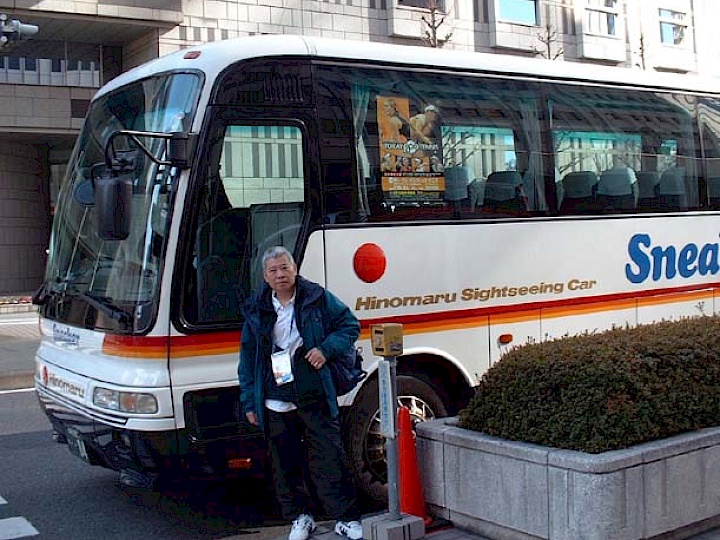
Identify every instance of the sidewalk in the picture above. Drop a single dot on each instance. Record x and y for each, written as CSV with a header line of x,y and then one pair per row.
x,y
325,531
19,338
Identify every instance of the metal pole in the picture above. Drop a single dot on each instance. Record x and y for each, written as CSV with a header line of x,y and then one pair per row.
x,y
391,447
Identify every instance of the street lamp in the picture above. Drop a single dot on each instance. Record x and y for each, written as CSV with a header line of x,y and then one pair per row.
x,y
14,30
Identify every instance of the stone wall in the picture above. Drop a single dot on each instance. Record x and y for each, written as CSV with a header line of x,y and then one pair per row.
x,y
510,490
24,216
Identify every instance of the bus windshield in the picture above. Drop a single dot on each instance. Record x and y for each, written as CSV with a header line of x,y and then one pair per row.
x,y
113,285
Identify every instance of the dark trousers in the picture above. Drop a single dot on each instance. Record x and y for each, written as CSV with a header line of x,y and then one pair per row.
x,y
305,442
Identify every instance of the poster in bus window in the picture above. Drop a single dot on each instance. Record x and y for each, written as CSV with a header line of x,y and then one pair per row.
x,y
410,151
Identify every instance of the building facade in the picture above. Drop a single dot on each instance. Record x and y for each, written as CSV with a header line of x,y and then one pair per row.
x,y
46,81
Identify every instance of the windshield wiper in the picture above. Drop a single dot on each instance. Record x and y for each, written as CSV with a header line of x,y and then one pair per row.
x,y
102,304
40,297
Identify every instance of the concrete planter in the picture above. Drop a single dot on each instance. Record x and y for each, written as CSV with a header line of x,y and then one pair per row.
x,y
512,490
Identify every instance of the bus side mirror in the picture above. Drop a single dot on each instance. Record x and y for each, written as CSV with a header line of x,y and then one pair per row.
x,y
181,149
113,205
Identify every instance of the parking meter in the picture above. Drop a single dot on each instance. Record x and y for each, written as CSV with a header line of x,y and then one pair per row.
x,y
387,341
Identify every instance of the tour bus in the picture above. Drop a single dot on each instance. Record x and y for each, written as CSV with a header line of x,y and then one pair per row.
x,y
481,201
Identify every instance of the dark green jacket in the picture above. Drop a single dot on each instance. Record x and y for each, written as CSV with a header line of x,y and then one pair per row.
x,y
322,320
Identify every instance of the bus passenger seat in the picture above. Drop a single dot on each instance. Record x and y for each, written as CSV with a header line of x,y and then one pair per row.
x,y
673,196
504,193
272,224
648,190
213,289
220,283
476,190
507,178
457,180
579,189
617,190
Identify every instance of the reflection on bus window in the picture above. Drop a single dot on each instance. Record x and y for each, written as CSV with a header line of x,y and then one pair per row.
x,y
253,198
431,147
709,117
437,147
622,152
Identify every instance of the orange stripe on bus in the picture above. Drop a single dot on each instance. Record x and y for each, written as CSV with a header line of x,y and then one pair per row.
x,y
152,347
680,297
208,344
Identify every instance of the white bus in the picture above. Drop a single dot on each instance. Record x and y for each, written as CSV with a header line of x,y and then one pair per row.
x,y
482,201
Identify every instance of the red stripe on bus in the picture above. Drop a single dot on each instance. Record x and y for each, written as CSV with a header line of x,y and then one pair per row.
x,y
154,347
589,303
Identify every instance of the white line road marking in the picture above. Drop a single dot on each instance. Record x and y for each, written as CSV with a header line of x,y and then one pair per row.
x,y
16,527
17,391
2,501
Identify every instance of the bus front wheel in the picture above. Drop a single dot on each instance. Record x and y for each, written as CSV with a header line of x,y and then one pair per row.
x,y
364,442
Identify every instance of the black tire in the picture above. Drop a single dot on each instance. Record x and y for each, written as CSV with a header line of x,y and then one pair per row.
x,y
365,445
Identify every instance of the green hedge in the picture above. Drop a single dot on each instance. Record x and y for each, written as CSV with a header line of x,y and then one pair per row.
x,y
599,392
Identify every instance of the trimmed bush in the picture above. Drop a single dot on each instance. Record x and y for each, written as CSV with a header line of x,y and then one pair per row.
x,y
606,391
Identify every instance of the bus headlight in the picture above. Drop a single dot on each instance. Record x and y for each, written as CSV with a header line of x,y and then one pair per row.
x,y
131,402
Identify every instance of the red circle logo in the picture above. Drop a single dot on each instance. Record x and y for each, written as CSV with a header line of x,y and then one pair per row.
x,y
369,262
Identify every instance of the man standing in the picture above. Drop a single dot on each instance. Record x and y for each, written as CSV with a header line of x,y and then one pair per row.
x,y
293,327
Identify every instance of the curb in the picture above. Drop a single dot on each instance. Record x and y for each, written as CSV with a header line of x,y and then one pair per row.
x,y
17,308
14,305
17,380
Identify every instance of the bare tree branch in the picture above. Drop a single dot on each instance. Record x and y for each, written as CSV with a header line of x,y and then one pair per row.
x,y
436,18
548,38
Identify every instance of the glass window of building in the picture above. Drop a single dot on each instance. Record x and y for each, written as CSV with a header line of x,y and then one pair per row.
x,y
672,27
518,11
426,4
601,17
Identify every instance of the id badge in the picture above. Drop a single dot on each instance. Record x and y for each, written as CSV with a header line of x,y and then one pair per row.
x,y
282,367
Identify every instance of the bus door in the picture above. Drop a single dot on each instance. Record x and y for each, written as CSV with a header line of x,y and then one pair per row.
x,y
249,193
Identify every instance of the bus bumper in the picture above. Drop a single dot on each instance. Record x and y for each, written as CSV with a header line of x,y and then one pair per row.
x,y
229,453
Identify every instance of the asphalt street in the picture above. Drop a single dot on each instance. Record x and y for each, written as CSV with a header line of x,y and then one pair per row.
x,y
19,339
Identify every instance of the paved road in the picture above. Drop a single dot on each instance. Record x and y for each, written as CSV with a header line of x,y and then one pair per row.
x,y
47,493
19,338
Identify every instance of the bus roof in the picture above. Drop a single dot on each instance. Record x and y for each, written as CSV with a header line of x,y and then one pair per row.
x,y
216,56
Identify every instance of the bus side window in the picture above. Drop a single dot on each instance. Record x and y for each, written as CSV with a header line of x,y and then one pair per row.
x,y
641,146
709,114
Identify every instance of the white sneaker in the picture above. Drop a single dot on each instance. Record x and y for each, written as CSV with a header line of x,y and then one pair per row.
x,y
302,527
350,529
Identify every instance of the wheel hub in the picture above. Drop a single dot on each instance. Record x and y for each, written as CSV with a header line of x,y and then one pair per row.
x,y
420,411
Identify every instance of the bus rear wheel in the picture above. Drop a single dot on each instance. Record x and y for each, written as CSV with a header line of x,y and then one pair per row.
x,y
364,442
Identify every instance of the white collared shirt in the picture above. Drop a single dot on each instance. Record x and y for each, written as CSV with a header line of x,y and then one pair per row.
x,y
285,332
